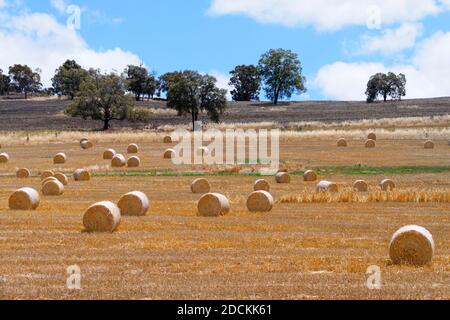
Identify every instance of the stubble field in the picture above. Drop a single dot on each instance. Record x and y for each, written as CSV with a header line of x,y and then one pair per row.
x,y
297,251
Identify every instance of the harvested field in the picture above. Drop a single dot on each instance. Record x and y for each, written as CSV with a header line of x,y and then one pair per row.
x,y
311,250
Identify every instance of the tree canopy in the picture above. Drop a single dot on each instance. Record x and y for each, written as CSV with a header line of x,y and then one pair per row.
x,y
385,85
281,72
246,81
24,80
101,97
191,93
4,83
68,78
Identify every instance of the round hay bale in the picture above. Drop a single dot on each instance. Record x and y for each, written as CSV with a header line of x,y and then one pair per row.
x,y
429,145
83,140
260,201
372,136
4,157
283,177
134,162
86,144
370,143
82,175
213,205
134,203
342,143
387,185
102,217
361,186
48,179
413,245
261,185
118,161
108,154
200,185
46,174
23,173
169,154
310,176
62,178
24,199
60,158
53,188
133,148
167,139
327,186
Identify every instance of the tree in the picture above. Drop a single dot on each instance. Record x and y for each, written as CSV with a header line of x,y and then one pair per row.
x,y
101,97
281,72
189,92
385,85
4,83
246,82
68,78
151,87
24,80
137,77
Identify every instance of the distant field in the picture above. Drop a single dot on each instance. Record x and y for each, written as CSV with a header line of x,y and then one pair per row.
x,y
47,114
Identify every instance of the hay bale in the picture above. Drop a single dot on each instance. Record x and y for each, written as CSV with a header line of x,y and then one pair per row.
x,y
134,162
169,154
361,186
310,176
53,188
24,199
283,177
261,185
108,154
48,179
134,203
260,201
167,139
4,157
200,185
413,245
23,173
213,205
327,186
372,136
102,217
86,144
82,175
133,148
342,143
118,161
387,185
83,140
429,145
46,174
370,144
62,178
60,158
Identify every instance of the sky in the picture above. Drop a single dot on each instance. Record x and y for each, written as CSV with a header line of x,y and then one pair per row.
x,y
340,43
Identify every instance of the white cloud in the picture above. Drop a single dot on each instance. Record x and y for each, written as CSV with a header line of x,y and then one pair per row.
x,y
40,41
223,81
392,40
329,14
59,5
427,74
2,3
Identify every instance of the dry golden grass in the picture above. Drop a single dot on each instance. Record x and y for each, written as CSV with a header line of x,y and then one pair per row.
x,y
299,250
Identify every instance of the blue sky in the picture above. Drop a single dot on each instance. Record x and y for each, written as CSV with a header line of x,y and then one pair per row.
x,y
337,46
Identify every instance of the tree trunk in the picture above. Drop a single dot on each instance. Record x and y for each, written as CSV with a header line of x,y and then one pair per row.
x,y
26,95
385,97
193,120
106,124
